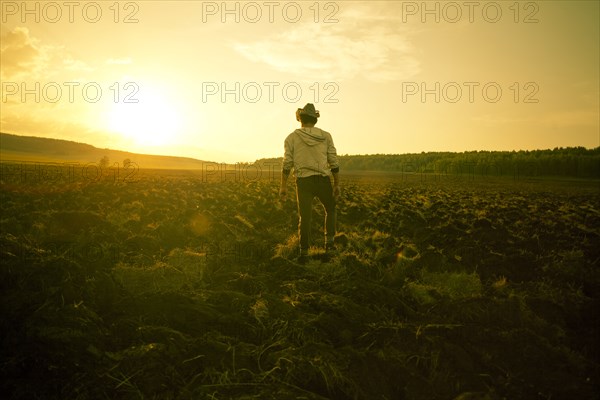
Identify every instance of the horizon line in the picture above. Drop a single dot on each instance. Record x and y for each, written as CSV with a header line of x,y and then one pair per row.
x,y
277,157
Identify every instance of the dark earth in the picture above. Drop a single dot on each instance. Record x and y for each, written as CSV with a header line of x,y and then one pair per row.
x,y
164,286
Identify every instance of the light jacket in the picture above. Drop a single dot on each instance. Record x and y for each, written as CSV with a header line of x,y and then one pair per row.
x,y
310,151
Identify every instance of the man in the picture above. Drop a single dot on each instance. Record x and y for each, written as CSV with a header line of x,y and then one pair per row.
x,y
312,155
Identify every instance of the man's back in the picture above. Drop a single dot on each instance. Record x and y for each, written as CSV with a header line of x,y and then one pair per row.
x,y
310,151
312,155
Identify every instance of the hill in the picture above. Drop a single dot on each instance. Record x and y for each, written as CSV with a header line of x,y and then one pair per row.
x,y
572,162
38,149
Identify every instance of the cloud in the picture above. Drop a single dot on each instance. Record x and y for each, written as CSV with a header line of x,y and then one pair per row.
x,y
19,54
24,57
72,64
119,61
365,44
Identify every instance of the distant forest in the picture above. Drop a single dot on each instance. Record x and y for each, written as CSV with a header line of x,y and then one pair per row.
x,y
576,162
573,162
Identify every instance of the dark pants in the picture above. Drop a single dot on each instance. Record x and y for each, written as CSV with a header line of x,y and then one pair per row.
x,y
306,190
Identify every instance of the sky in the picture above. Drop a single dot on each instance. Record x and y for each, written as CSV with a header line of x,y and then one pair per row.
x,y
221,81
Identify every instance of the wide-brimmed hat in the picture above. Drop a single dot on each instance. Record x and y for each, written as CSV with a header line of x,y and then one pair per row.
x,y
309,109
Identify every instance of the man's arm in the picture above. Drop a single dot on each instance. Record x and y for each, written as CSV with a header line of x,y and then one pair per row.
x,y
336,182
286,167
283,187
335,167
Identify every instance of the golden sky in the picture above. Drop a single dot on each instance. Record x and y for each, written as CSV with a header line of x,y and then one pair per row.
x,y
221,81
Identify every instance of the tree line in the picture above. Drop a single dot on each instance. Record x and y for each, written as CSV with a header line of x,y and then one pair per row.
x,y
559,162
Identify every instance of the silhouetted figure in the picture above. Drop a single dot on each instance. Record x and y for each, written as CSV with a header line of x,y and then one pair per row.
x,y
312,155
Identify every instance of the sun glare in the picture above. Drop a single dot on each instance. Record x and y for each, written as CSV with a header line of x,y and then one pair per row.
x,y
152,121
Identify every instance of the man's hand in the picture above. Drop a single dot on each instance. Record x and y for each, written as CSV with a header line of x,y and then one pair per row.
x,y
283,185
336,185
283,194
336,191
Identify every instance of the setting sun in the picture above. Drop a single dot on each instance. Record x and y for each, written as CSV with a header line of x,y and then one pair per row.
x,y
151,121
